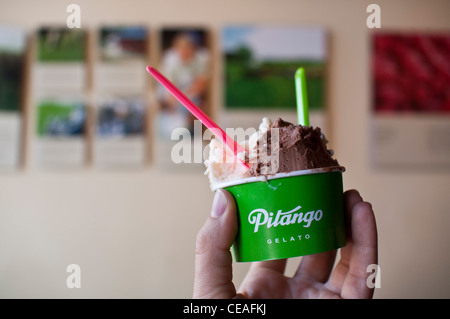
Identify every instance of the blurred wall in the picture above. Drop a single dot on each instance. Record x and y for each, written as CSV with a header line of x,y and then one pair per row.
x,y
126,231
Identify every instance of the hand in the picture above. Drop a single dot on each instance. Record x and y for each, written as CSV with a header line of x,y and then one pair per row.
x,y
315,276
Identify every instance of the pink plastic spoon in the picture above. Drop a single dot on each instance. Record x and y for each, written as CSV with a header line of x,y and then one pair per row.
x,y
199,114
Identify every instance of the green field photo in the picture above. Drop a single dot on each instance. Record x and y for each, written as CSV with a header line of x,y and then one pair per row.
x,y
61,45
12,61
60,119
260,64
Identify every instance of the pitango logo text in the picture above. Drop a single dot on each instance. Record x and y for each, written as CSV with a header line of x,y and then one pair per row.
x,y
260,217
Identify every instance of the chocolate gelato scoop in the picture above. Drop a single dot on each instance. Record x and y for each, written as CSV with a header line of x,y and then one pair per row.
x,y
298,148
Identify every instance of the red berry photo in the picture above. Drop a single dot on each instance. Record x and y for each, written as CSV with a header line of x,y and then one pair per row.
x,y
411,73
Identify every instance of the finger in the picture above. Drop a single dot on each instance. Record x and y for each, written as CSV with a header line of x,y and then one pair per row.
x,y
213,261
350,275
272,265
351,198
316,268
364,252
262,278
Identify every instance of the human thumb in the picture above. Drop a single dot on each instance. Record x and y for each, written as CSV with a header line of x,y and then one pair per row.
x,y
213,261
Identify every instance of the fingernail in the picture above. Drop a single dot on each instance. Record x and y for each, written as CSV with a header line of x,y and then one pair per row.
x,y
219,204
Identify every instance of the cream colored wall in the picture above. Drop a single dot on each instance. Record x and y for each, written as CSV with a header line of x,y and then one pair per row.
x,y
133,232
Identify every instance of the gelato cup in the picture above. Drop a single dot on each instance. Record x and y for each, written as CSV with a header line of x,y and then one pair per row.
x,y
288,214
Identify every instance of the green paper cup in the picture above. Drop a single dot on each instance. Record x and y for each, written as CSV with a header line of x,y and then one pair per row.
x,y
288,214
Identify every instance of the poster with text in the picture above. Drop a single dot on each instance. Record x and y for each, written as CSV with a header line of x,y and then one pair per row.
x,y
120,138
61,132
59,97
60,60
185,59
122,55
120,84
12,82
411,100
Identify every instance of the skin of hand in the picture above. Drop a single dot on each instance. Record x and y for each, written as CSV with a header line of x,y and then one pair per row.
x,y
315,277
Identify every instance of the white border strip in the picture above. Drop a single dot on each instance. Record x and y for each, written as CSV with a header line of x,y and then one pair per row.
x,y
265,178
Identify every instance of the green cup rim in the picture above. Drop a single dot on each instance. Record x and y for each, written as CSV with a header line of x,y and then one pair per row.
x,y
265,178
